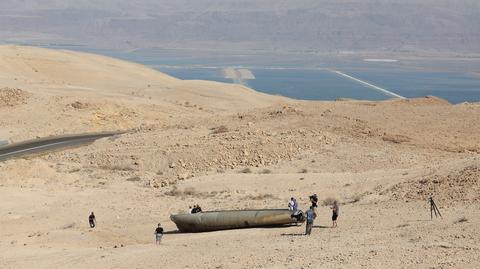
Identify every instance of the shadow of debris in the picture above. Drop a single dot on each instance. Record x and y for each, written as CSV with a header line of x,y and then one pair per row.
x,y
172,232
293,234
320,226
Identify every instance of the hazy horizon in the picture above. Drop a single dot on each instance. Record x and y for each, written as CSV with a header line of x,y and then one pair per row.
x,y
324,26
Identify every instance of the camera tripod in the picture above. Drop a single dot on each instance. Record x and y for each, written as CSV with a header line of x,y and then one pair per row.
x,y
434,209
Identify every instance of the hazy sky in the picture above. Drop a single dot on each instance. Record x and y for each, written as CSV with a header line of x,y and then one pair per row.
x,y
304,25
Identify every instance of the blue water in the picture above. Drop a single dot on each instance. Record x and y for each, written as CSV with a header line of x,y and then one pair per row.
x,y
324,85
451,86
452,80
311,85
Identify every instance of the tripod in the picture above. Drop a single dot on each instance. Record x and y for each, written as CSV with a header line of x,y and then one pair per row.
x,y
434,209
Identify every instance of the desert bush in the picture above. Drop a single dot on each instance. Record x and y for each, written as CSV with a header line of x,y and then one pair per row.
x,y
174,191
460,220
134,179
328,201
79,105
119,167
304,170
68,226
266,171
246,170
189,191
356,198
261,196
220,129
74,170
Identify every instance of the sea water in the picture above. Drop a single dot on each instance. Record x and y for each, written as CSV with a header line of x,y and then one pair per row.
x,y
312,77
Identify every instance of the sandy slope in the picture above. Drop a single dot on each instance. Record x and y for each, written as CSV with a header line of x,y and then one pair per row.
x,y
226,146
109,93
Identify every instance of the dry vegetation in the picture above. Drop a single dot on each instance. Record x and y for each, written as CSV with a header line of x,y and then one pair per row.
x,y
328,201
220,129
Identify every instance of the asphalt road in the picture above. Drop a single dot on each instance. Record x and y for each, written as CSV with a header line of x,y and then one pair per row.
x,y
49,144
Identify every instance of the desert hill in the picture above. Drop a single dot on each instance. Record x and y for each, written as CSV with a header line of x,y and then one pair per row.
x,y
227,147
95,93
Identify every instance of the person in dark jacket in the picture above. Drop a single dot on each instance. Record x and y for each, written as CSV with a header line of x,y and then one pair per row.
x,y
158,234
314,200
335,212
92,220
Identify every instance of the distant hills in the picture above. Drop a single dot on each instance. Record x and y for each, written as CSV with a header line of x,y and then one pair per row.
x,y
431,26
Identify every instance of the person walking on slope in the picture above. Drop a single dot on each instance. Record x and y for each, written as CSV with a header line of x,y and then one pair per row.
x,y
311,215
335,212
91,220
158,234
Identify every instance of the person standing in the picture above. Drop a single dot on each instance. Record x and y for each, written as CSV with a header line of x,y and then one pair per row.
x,y
335,212
92,220
311,215
314,200
293,205
158,234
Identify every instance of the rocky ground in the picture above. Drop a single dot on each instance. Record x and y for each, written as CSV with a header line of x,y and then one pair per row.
x,y
227,147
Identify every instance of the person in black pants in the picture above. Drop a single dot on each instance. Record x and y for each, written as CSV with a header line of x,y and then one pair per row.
x,y
92,220
335,212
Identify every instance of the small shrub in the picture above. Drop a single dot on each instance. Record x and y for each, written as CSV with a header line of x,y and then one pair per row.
x,y
74,170
328,201
304,170
119,167
134,179
220,129
261,196
173,192
246,170
68,226
189,191
266,171
356,198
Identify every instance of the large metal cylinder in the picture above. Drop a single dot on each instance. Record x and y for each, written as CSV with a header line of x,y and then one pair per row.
x,y
221,220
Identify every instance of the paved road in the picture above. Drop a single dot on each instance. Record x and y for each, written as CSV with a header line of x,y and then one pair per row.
x,y
48,144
